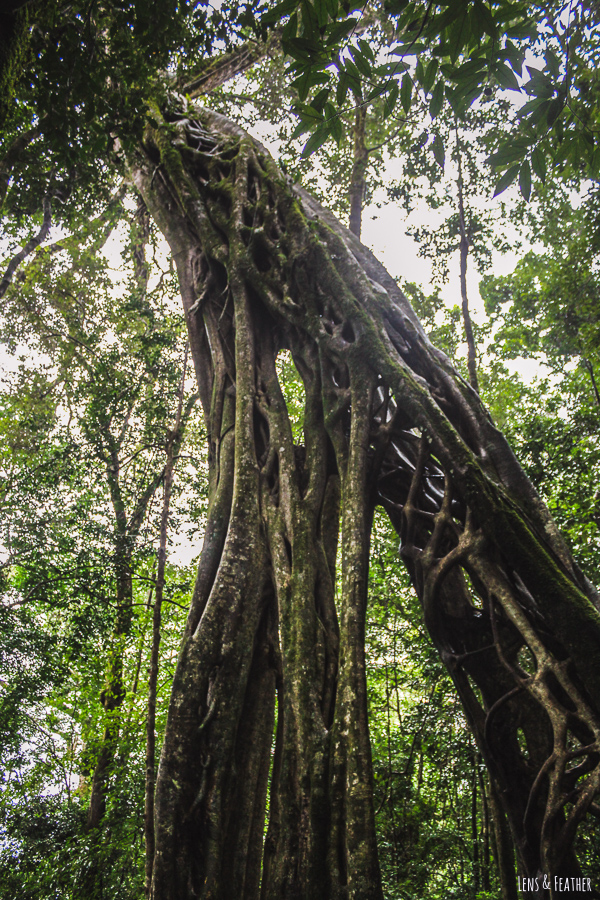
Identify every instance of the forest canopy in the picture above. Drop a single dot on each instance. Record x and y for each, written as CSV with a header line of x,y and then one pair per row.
x,y
297,568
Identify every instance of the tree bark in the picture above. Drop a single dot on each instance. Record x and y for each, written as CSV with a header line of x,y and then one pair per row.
x,y
465,243
358,179
263,267
505,857
173,443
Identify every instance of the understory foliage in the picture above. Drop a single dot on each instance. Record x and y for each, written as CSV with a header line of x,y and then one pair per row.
x,y
377,673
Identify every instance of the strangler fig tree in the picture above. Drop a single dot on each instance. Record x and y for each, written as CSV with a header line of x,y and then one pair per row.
x,y
273,654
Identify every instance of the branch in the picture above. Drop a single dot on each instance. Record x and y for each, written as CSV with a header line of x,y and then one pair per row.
x,y
29,247
222,69
142,504
13,154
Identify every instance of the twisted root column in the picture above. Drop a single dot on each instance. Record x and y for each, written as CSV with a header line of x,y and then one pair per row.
x,y
264,613
263,267
535,723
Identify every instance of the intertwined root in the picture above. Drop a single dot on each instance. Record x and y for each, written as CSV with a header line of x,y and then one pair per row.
x,y
387,421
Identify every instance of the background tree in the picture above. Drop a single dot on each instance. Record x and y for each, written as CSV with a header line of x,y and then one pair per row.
x,y
80,529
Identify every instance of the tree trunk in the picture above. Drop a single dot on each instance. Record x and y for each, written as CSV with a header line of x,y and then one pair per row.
x,y
465,243
475,827
505,857
263,267
358,178
173,443
114,692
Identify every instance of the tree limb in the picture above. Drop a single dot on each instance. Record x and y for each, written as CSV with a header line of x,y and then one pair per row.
x,y
216,72
29,247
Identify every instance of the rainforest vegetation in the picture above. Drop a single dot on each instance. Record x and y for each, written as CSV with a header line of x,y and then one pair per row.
x,y
297,560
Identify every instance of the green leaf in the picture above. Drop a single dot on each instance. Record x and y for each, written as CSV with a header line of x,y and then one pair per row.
x,y
321,98
395,7
322,13
291,29
595,164
538,163
391,99
454,99
306,80
506,180
430,73
552,62
352,71
505,77
309,112
279,11
362,64
515,56
339,31
316,140
409,50
406,92
310,19
342,88
390,69
568,151
525,179
558,127
447,18
438,150
510,151
539,84
304,49
554,110
437,99
301,128
367,50
332,118
484,18
377,92
531,106
460,33
467,70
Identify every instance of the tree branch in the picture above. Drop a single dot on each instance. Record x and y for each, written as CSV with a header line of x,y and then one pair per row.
x,y
29,247
222,69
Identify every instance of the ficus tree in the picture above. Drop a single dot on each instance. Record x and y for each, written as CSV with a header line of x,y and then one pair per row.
x,y
272,655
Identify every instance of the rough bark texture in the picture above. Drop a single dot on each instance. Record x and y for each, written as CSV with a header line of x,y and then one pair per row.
x,y
263,267
359,171
174,438
465,243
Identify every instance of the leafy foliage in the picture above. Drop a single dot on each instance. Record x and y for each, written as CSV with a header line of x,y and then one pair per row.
x,y
454,53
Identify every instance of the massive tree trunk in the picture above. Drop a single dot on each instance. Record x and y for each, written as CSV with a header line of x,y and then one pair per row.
x,y
262,268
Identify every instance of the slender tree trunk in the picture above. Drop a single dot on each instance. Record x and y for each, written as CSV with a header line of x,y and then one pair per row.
x,y
485,816
475,827
263,267
113,694
464,257
590,369
173,443
359,171
503,845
